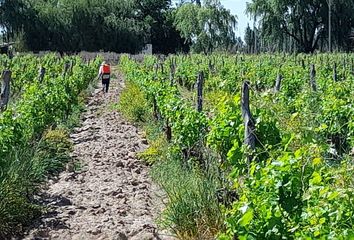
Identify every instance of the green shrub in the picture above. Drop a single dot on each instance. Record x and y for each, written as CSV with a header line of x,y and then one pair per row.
x,y
133,104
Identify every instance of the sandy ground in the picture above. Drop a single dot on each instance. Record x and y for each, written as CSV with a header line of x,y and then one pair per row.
x,y
112,196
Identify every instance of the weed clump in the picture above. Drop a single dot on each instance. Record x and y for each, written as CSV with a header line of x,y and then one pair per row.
x,y
27,168
133,104
193,210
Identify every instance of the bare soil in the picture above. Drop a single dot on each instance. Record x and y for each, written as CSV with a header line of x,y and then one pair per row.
x,y
111,196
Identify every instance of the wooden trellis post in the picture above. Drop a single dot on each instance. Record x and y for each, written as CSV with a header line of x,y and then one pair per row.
x,y
71,68
162,69
335,75
66,68
303,63
5,89
278,83
250,138
200,83
168,131
157,114
211,66
156,68
313,78
41,73
344,68
172,71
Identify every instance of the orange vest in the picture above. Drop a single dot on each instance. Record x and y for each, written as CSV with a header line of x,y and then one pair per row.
x,y
106,69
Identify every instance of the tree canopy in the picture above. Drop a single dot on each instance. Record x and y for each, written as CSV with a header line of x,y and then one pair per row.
x,y
109,25
305,21
204,26
120,26
208,27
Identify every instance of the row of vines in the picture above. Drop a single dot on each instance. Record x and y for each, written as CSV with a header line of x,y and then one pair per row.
x,y
296,181
44,91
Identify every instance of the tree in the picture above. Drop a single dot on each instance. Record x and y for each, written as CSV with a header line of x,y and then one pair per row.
x,y
305,21
299,19
198,2
343,23
238,46
163,35
93,25
12,15
249,39
208,27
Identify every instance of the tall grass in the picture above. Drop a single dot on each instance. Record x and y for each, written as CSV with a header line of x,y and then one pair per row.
x,y
15,189
25,169
193,210
133,104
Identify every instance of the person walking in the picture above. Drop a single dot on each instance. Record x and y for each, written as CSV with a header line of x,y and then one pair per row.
x,y
105,75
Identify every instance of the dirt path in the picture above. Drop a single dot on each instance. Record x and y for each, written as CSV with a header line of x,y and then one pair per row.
x,y
112,196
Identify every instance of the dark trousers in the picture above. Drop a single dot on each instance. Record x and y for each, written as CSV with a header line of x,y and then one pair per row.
x,y
105,83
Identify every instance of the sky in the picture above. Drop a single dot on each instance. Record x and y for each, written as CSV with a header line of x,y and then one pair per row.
x,y
238,7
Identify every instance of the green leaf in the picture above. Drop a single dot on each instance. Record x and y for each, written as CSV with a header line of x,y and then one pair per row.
x,y
246,218
333,195
317,161
316,178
